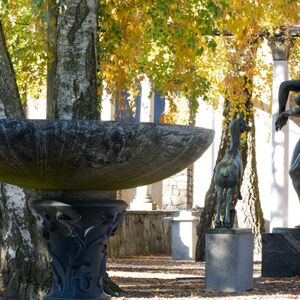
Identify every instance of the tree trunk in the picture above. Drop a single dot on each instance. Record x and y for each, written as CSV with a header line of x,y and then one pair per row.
x,y
10,104
73,73
190,169
52,59
21,252
76,68
249,208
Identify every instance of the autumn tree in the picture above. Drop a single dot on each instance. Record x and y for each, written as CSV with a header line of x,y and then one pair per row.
x,y
244,25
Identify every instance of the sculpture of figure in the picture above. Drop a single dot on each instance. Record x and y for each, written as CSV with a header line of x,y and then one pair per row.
x,y
285,88
228,172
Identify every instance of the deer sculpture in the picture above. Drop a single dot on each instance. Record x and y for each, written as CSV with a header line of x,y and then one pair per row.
x,y
228,172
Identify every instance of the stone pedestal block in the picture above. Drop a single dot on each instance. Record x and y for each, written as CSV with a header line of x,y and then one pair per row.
x,y
229,260
183,234
281,253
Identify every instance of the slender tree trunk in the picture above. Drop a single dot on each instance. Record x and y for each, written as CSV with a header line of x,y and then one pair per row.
x,y
250,214
52,59
76,68
10,104
21,252
190,168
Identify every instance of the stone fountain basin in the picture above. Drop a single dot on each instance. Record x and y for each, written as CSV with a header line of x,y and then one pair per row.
x,y
95,155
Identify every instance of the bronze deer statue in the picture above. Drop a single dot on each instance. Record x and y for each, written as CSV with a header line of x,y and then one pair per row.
x,y
228,172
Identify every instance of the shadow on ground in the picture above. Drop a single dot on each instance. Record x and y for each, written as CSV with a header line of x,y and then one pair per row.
x,y
162,277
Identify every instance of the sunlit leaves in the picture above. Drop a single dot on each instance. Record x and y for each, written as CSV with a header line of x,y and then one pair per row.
x,y
162,39
26,38
294,59
250,23
173,42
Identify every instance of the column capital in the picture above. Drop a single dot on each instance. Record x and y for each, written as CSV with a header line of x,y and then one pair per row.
x,y
280,46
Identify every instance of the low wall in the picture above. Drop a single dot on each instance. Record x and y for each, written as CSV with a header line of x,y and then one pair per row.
x,y
142,233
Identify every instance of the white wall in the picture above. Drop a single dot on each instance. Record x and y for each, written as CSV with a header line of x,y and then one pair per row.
x,y
203,167
36,108
263,158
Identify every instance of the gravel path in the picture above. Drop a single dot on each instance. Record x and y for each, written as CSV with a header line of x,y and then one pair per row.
x,y
164,278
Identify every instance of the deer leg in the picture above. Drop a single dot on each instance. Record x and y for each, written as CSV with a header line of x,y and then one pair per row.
x,y
219,192
239,195
228,200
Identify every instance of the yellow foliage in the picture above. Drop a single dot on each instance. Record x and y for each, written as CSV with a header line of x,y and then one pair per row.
x,y
294,60
171,42
249,76
164,43
26,38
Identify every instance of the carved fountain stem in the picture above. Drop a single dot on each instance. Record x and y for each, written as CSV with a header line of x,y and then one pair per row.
x,y
77,232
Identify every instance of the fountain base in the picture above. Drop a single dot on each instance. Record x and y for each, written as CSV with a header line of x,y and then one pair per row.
x,y
77,232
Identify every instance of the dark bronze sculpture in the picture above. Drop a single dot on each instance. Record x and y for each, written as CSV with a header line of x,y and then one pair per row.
x,y
283,115
228,172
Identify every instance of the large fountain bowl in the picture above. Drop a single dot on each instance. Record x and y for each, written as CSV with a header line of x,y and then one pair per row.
x,y
94,155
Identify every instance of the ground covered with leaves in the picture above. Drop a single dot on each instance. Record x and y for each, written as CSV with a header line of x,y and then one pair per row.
x,y
162,278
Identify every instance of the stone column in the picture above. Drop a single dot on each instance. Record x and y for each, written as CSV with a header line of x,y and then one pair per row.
x,y
143,200
107,105
280,47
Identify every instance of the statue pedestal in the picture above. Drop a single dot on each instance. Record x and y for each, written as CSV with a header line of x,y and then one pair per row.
x,y
281,253
229,260
184,234
77,232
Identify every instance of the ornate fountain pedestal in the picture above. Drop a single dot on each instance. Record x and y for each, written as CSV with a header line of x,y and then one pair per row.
x,y
77,232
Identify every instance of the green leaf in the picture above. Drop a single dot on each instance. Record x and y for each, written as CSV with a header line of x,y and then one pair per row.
x,y
212,44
